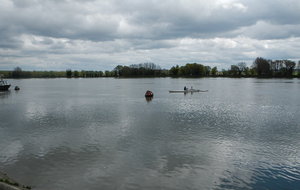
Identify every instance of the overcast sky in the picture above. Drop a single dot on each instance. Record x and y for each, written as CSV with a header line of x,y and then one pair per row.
x,y
101,34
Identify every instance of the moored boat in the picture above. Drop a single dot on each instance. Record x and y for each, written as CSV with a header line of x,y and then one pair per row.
x,y
148,94
4,86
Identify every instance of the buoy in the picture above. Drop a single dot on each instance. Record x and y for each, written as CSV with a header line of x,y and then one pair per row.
x,y
17,88
148,94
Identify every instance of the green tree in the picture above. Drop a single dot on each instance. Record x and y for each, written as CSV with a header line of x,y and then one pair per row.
x,y
118,70
234,70
214,71
108,73
76,74
247,72
298,69
100,73
69,73
225,73
174,71
192,70
262,66
207,70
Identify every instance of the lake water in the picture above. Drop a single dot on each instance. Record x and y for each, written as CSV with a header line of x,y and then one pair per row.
x,y
74,134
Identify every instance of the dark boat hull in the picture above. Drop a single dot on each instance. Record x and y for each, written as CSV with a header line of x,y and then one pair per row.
x,y
4,87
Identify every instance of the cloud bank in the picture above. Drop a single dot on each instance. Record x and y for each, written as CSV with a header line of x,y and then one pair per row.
x,y
99,35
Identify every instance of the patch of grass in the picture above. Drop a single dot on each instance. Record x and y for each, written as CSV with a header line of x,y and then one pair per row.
x,y
7,181
26,187
13,183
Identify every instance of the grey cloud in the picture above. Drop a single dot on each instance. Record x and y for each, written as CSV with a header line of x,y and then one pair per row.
x,y
60,20
183,19
205,20
265,30
101,20
275,11
9,43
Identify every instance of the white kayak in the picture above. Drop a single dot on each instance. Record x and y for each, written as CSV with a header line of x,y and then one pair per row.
x,y
187,91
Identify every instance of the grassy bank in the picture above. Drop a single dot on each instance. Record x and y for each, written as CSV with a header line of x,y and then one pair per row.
x,y
6,183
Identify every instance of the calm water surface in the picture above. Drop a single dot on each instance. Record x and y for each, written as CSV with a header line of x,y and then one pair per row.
x,y
74,134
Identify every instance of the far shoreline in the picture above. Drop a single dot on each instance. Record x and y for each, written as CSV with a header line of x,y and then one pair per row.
x,y
155,77
261,68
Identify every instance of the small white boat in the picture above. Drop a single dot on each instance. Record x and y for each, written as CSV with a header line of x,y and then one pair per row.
x,y
4,86
187,91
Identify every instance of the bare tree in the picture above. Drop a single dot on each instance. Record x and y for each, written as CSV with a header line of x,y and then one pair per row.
x,y
289,66
242,67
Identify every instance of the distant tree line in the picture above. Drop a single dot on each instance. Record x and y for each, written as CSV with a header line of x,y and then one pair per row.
x,y
277,68
193,70
140,70
260,68
264,68
19,73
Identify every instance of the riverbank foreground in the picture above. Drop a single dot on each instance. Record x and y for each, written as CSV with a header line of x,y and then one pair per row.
x,y
7,183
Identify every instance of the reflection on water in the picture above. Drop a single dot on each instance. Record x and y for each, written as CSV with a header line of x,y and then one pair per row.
x,y
148,99
4,94
66,134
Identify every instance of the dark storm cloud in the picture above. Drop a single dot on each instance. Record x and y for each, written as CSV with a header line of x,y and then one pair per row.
x,y
59,19
129,28
8,42
108,20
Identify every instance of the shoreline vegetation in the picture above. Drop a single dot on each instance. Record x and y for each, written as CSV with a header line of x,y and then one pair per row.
x,y
6,183
261,68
